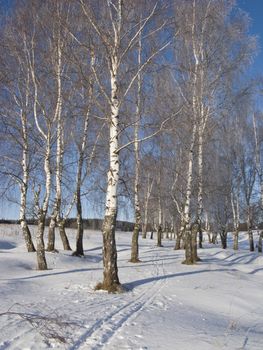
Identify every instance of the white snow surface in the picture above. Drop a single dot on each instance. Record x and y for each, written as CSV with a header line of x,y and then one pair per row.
x,y
216,304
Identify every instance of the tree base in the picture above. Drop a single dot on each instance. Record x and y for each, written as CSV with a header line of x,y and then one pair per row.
x,y
42,267
78,254
187,262
113,288
52,250
135,261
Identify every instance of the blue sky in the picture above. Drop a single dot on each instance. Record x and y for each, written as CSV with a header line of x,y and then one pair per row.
x,y
255,10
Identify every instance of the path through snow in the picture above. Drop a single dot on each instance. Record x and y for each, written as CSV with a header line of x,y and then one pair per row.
x,y
216,304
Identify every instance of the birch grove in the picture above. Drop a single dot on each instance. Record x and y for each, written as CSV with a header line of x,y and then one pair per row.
x,y
139,107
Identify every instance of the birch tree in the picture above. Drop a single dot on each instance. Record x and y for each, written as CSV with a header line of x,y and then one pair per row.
x,y
117,35
258,152
137,209
18,90
45,117
59,43
208,73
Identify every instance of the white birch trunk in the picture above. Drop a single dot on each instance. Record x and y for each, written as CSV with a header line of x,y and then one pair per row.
x,y
146,205
24,186
160,214
79,239
42,212
46,136
258,160
56,214
189,249
137,209
235,213
110,273
200,182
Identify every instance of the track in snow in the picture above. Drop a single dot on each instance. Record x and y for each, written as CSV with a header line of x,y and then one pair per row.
x,y
102,331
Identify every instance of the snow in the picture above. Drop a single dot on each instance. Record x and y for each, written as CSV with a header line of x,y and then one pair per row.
x,y
216,304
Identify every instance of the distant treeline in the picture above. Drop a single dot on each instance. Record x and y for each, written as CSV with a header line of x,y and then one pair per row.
x,y
96,224
93,224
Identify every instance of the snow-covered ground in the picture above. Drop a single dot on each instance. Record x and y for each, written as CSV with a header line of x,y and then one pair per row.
x,y
216,304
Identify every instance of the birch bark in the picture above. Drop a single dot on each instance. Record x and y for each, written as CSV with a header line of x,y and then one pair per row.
x,y
24,186
258,160
79,238
146,205
235,213
56,214
137,209
42,211
110,274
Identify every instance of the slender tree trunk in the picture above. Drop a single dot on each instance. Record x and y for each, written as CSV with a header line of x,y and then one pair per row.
x,y
46,136
209,237
235,212
214,238
251,241
235,236
23,223
57,219
51,234
250,233
207,228
135,237
111,281
137,209
258,161
63,236
178,241
41,258
187,235
24,186
188,247
79,239
136,230
189,254
159,236
260,242
223,236
186,217
194,231
146,204
171,231
167,231
27,235
200,179
144,230
159,230
179,236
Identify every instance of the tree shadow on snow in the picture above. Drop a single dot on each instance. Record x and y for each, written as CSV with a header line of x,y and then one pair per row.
x,y
41,275
230,261
134,284
7,245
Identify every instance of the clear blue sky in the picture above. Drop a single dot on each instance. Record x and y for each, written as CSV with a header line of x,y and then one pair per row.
x,y
255,10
